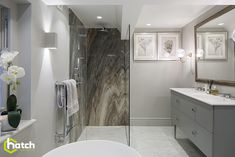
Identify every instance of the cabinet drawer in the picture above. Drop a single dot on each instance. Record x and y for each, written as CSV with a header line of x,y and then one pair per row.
x,y
183,106
175,116
204,116
187,126
188,108
203,140
198,135
175,102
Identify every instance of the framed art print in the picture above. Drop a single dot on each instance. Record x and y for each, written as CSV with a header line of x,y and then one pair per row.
x,y
145,46
216,46
168,43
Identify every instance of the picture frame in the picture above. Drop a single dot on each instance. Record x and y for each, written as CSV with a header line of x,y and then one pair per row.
x,y
199,41
216,46
145,47
168,43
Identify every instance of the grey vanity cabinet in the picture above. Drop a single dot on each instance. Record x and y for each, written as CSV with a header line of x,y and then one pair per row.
x,y
211,128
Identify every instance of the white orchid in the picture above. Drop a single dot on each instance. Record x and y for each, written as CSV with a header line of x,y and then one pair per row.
x,y
8,78
18,72
11,73
7,58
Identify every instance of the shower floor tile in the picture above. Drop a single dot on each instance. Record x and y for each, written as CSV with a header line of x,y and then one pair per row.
x,y
149,141
112,133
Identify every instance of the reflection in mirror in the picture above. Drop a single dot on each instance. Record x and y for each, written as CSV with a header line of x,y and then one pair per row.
x,y
215,48
4,16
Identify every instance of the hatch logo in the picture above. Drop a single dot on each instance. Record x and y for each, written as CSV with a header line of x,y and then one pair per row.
x,y
11,146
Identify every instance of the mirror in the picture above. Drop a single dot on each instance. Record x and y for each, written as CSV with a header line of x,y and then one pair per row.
x,y
215,43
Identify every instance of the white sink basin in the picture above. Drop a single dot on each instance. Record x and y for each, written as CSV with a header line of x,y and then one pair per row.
x,y
204,97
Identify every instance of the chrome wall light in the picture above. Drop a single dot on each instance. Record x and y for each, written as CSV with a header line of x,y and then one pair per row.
x,y
181,54
50,41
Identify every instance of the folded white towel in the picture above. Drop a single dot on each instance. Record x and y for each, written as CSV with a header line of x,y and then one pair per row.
x,y
72,97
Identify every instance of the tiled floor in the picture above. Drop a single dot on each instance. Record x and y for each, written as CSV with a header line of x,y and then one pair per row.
x,y
113,133
160,142
150,141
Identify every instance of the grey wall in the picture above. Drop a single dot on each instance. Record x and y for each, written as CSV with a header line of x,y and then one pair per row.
x,y
24,38
41,69
150,83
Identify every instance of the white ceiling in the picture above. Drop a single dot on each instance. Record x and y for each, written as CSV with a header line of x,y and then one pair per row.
x,y
111,15
169,16
132,10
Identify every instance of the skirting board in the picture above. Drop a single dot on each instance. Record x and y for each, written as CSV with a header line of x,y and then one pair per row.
x,y
150,121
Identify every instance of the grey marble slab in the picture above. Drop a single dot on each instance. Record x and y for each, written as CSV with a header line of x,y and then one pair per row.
x,y
107,102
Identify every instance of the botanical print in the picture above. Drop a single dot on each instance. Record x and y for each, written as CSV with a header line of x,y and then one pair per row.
x,y
145,46
168,43
215,45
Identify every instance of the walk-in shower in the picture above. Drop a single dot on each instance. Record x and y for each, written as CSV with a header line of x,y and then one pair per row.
x,y
99,61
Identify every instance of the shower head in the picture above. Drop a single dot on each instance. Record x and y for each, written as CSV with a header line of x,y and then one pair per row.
x,y
103,29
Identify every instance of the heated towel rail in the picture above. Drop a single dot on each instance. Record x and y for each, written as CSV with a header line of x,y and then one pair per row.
x,y
67,123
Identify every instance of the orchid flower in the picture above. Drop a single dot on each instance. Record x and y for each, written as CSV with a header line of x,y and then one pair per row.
x,y
10,72
7,58
8,78
18,72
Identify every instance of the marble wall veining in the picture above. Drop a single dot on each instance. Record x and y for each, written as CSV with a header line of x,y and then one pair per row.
x,y
107,81
99,61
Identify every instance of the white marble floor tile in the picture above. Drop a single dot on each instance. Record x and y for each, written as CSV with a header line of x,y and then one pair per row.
x,y
112,133
150,141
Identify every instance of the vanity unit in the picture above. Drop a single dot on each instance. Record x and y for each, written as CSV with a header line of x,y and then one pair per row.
x,y
207,120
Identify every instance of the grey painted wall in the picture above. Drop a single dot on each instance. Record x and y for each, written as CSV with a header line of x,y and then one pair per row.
x,y
42,69
150,83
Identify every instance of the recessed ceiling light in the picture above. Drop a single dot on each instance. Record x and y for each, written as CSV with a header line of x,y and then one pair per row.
x,y
221,24
148,24
99,17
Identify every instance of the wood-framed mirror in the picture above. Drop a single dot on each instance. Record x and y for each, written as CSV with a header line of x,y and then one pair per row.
x,y
215,48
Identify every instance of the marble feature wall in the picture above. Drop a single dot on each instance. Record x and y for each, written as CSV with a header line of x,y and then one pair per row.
x,y
107,81
78,71
99,61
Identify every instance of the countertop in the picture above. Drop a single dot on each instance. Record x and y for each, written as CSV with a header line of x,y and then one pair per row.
x,y
204,97
23,125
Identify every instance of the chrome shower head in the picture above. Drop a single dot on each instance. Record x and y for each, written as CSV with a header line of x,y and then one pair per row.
x,y
103,29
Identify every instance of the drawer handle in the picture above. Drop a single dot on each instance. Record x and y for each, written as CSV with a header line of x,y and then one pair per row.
x,y
194,132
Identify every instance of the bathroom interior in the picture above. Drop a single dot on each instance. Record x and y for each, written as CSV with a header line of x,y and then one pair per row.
x,y
156,77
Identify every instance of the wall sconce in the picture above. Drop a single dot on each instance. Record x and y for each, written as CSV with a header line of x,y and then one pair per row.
x,y
200,53
181,54
50,41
